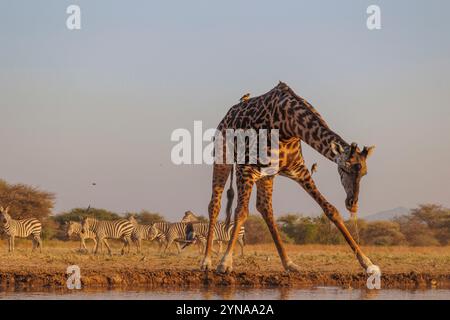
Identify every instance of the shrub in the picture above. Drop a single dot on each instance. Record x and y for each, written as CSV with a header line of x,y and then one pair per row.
x,y
147,217
385,233
256,230
26,201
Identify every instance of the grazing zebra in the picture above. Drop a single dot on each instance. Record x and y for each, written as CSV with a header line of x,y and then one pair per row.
x,y
20,228
74,228
142,232
114,229
222,232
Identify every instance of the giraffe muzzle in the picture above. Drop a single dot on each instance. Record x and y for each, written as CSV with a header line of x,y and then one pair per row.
x,y
352,205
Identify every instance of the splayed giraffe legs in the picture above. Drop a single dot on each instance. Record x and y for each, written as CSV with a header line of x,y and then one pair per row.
x,y
264,206
301,175
220,176
245,178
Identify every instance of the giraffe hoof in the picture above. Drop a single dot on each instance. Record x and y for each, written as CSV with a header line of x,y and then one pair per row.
x,y
292,267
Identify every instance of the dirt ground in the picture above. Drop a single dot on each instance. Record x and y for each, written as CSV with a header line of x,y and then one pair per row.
x,y
402,267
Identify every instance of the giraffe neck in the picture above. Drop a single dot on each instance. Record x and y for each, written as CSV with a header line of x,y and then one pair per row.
x,y
300,119
320,138
313,130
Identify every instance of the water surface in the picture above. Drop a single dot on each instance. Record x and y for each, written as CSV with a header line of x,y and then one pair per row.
x,y
313,293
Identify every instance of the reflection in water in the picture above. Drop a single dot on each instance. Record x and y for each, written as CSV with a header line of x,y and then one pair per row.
x,y
227,293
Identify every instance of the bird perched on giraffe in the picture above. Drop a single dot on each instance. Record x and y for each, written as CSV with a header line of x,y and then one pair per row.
x,y
245,97
314,168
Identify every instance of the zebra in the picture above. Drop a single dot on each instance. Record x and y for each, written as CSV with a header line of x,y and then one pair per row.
x,y
222,232
192,220
161,228
113,229
177,233
142,232
21,228
74,228
195,232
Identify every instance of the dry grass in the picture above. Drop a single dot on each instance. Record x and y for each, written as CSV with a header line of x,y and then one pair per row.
x,y
57,255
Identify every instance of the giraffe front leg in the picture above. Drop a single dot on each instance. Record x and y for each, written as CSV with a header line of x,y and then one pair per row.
x,y
220,176
264,206
305,180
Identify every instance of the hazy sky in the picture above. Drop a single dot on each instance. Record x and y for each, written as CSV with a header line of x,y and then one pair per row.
x,y
100,104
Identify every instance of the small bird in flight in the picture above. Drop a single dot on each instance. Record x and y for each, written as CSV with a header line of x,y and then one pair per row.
x,y
245,97
313,168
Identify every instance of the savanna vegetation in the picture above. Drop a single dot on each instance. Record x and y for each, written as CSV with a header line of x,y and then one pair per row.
x,y
426,225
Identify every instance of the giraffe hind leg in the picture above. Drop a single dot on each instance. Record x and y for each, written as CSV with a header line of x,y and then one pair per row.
x,y
245,179
220,177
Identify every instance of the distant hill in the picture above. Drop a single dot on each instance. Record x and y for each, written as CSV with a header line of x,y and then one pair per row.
x,y
388,214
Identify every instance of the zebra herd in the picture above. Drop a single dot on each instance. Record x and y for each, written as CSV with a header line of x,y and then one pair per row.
x,y
187,232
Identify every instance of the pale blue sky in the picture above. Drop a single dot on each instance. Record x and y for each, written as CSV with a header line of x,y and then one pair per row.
x,y
100,104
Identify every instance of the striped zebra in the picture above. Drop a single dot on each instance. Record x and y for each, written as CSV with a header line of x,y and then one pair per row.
x,y
21,228
161,229
112,229
195,232
177,233
142,232
222,232
73,228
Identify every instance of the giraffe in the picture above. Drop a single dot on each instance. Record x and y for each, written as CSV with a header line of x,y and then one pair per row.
x,y
297,120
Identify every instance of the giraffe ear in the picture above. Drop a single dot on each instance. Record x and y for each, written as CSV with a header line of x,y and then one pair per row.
x,y
367,151
7,209
336,148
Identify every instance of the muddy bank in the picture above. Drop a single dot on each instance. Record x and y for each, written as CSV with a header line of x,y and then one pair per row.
x,y
402,267
176,278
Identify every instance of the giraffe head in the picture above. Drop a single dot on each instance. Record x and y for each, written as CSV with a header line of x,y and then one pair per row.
x,y
352,167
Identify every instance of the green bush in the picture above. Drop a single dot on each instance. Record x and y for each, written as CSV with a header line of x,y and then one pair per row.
x,y
146,217
77,214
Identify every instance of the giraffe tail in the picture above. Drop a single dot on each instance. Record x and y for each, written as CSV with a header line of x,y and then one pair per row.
x,y
230,197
